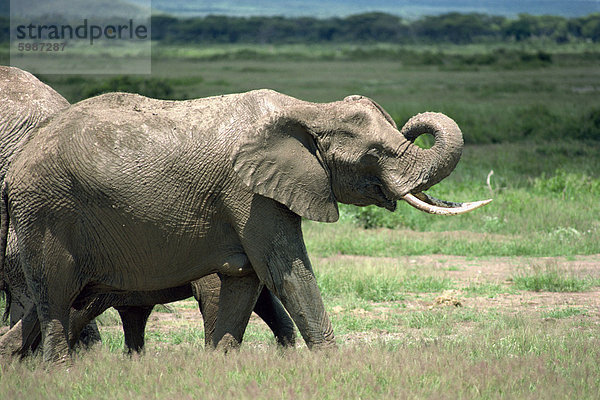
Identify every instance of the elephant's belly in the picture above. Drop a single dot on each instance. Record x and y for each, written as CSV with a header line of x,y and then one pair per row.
x,y
236,265
132,253
177,271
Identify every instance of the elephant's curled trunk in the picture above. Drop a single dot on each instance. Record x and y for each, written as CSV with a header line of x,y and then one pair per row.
x,y
435,163
440,160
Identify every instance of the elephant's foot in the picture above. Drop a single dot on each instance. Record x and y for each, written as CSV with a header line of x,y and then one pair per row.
x,y
11,344
23,338
227,343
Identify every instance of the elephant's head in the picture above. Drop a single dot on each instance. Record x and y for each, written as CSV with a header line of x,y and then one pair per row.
x,y
310,156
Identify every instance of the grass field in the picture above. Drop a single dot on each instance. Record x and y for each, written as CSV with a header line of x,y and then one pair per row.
x,y
500,303
407,327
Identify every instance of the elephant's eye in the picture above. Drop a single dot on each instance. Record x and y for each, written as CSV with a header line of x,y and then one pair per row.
x,y
371,156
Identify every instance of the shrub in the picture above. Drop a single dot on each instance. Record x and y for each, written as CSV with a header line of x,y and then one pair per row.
x,y
567,184
589,127
372,217
151,87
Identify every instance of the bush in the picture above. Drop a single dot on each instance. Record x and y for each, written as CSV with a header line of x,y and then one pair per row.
x,y
372,217
589,127
151,87
567,184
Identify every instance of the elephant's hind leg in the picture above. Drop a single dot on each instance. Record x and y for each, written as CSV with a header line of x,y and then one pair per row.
x,y
54,284
236,301
134,320
207,290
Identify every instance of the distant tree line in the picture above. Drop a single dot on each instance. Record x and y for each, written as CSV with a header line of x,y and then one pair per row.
x,y
370,27
375,27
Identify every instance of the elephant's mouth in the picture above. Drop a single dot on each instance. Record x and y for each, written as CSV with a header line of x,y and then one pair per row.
x,y
382,198
431,205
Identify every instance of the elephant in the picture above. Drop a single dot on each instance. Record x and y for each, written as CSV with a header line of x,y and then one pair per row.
x,y
124,193
26,103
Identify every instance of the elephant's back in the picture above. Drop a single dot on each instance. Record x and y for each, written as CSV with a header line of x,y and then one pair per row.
x,y
26,102
21,91
105,130
120,150
122,142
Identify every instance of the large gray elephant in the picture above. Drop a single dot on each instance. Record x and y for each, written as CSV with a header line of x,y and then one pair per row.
x,y
25,103
126,193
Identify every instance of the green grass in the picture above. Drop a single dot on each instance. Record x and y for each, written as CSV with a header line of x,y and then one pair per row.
x,y
487,289
564,313
518,359
552,279
374,280
378,288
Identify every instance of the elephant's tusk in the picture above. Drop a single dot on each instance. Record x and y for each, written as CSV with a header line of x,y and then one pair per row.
x,y
431,205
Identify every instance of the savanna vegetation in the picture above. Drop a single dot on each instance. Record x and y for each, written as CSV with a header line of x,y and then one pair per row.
x,y
499,303
368,27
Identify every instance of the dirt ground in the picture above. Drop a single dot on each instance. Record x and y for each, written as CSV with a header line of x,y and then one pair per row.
x,y
467,271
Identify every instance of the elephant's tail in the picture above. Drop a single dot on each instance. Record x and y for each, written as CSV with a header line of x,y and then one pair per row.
x,y
4,221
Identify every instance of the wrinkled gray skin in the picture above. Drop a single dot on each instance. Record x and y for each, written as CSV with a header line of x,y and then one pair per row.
x,y
25,103
126,193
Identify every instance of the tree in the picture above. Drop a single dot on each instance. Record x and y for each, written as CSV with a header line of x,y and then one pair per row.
x,y
458,28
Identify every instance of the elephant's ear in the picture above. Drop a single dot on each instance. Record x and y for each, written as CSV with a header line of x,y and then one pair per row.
x,y
278,158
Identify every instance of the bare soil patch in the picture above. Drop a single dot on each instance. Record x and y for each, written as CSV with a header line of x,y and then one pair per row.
x,y
501,270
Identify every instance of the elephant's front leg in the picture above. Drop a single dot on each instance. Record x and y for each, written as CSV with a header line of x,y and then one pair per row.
x,y
294,283
236,301
278,255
